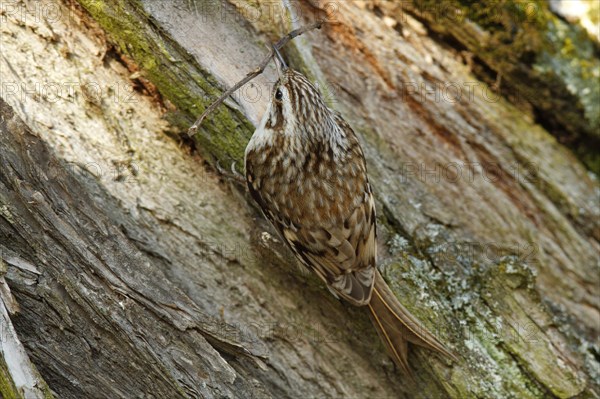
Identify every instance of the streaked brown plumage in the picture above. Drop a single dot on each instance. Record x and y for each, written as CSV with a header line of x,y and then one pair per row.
x,y
306,170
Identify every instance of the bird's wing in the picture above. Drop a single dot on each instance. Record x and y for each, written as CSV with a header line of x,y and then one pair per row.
x,y
343,256
333,236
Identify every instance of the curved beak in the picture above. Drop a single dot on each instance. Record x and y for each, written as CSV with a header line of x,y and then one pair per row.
x,y
280,58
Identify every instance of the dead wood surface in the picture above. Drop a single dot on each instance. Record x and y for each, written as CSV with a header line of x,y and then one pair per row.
x,y
139,273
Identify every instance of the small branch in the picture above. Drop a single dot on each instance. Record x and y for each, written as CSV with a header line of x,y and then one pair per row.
x,y
260,69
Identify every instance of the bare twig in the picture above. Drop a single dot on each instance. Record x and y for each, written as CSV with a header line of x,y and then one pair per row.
x,y
260,69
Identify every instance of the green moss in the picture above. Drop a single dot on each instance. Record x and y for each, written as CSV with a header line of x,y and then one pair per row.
x,y
509,290
41,385
177,76
540,62
8,390
493,301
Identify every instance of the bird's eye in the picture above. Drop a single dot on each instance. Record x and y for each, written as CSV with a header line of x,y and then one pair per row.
x,y
278,94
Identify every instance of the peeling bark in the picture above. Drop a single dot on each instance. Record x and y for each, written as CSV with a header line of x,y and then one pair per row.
x,y
139,273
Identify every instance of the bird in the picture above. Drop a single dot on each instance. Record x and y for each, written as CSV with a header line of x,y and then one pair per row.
x,y
306,170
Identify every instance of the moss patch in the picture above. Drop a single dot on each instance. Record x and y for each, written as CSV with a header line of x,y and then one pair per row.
x,y
176,74
534,59
8,390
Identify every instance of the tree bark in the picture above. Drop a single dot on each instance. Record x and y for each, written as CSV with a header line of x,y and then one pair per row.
x,y
137,271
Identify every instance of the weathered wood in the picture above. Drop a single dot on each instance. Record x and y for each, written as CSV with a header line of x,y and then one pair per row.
x,y
19,379
138,273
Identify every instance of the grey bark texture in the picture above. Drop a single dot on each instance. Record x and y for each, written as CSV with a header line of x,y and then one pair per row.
x,y
131,269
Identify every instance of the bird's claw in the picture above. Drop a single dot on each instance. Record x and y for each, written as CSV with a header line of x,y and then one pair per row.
x,y
234,174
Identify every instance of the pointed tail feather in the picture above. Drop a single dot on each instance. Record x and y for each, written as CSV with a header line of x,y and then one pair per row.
x,y
396,326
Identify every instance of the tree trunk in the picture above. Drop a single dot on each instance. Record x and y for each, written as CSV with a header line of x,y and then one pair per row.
x,y
133,270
